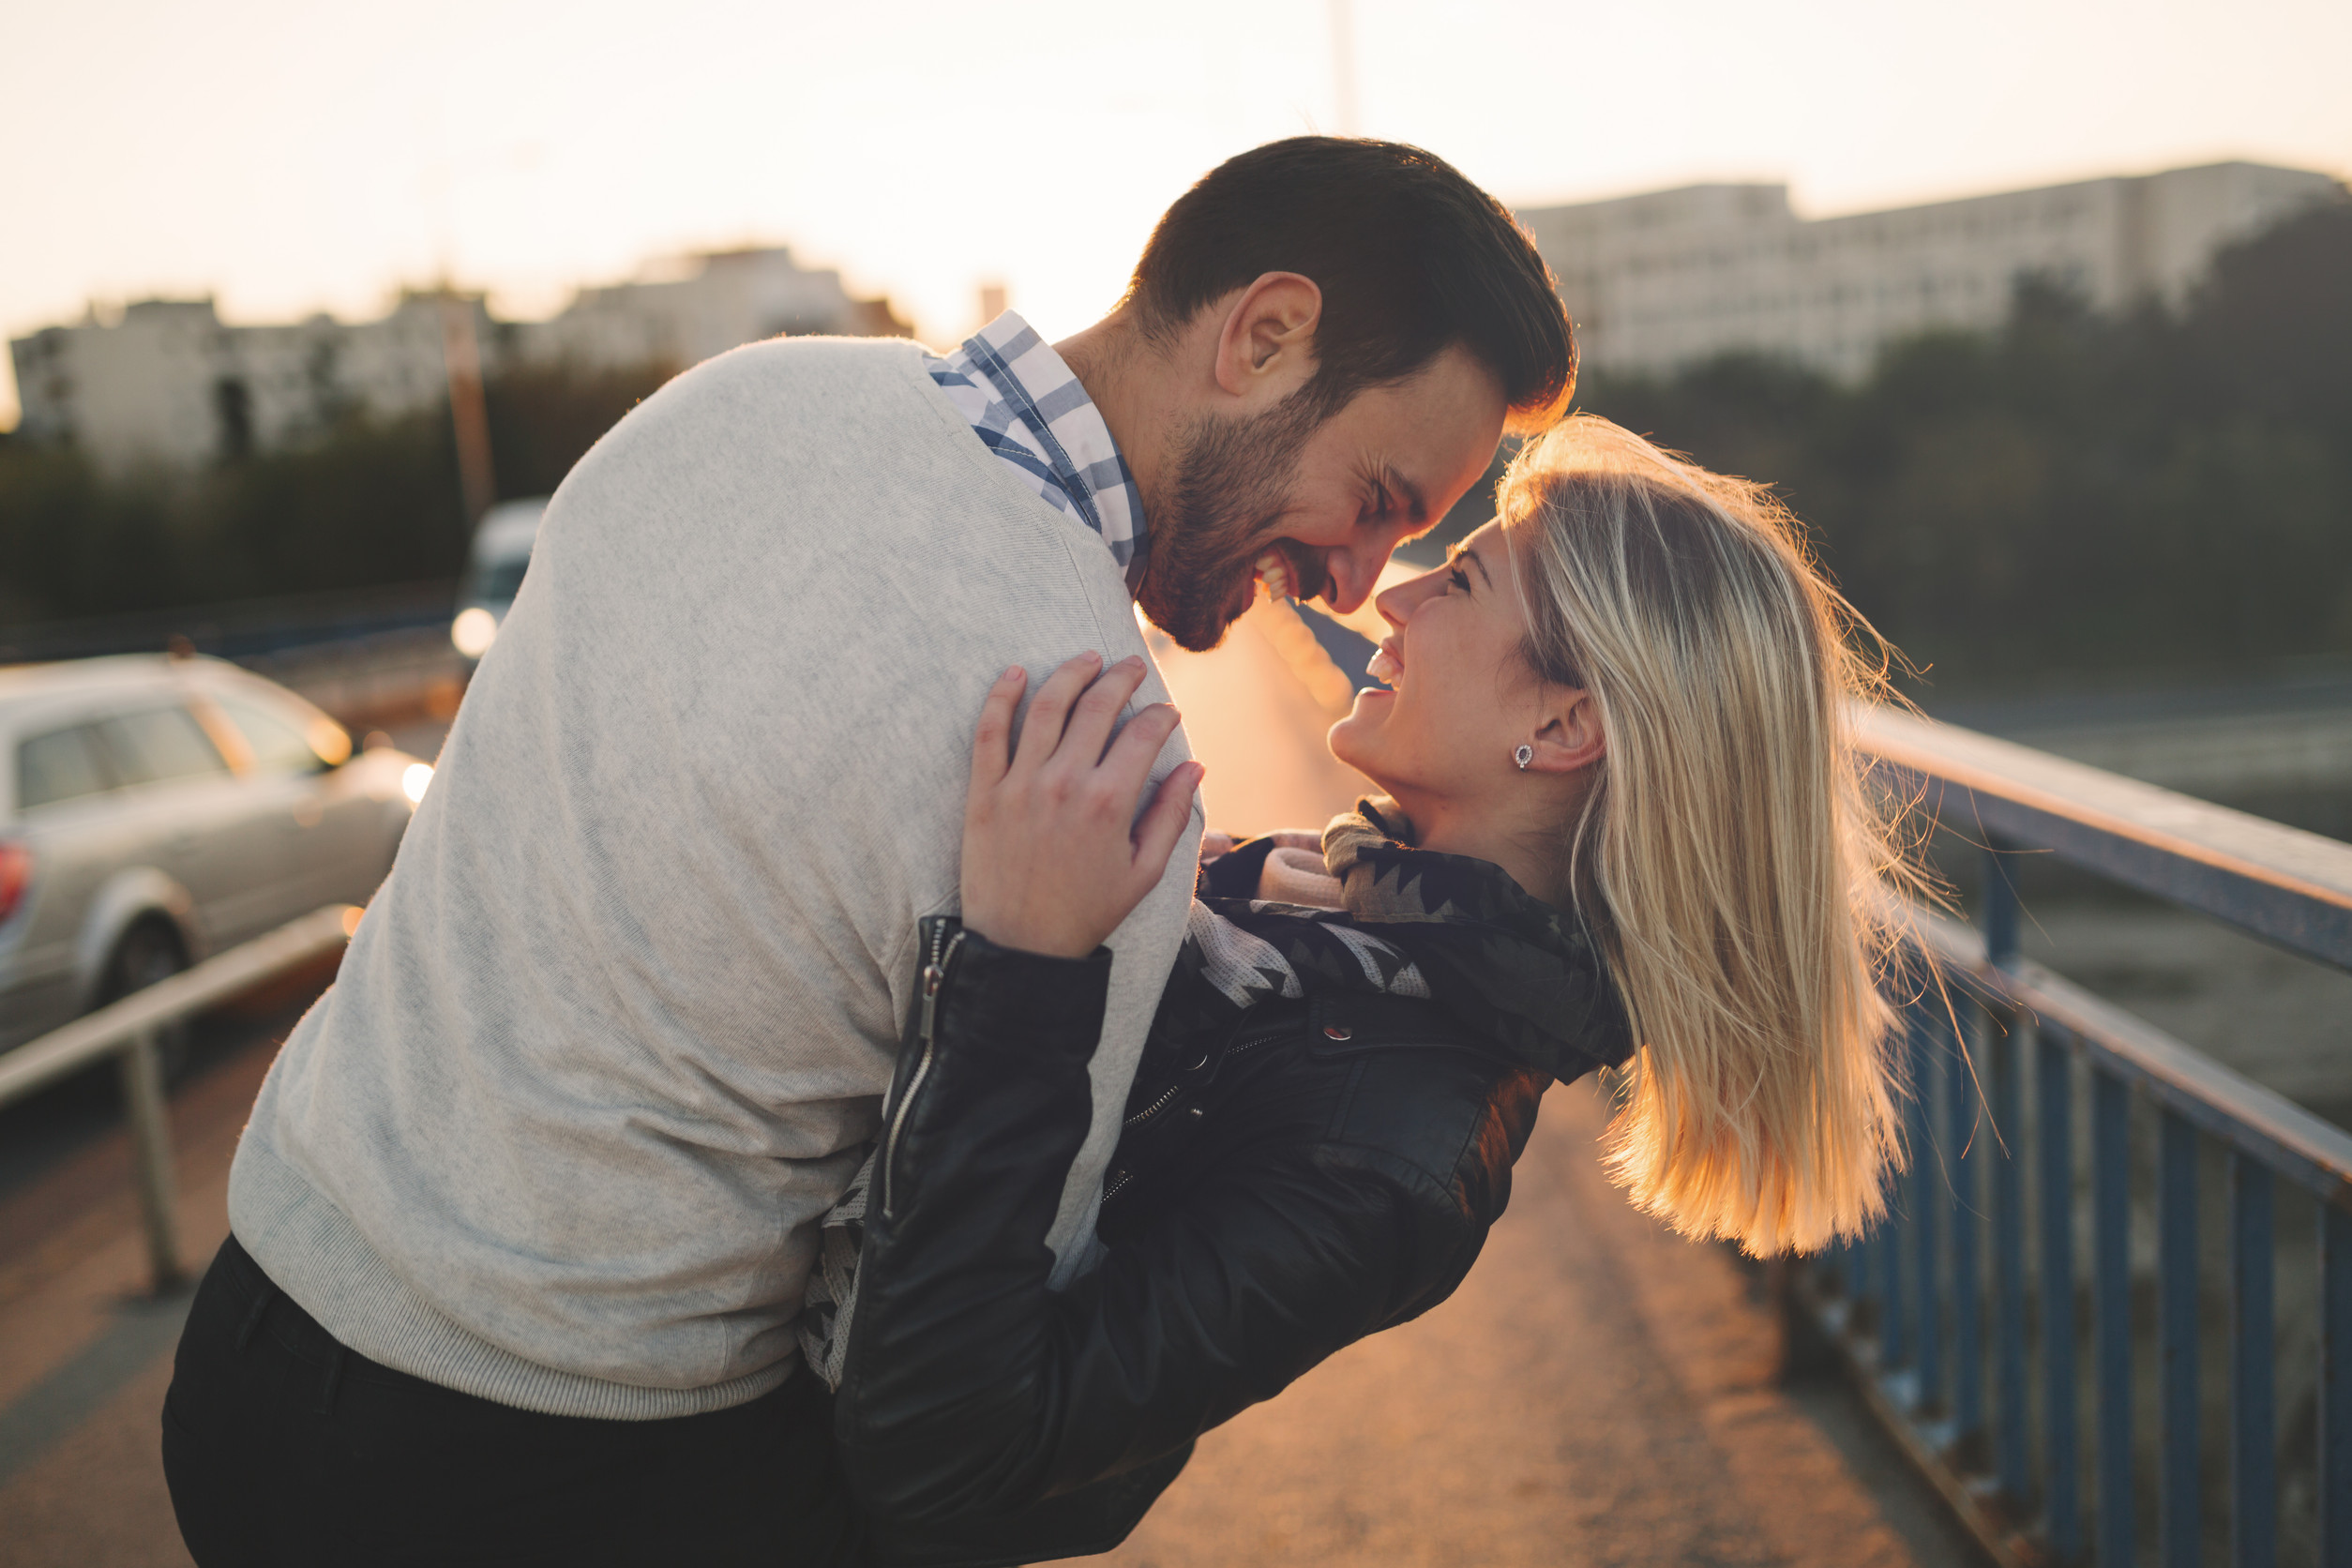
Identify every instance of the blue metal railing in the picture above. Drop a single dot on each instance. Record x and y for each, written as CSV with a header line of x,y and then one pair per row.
x,y
1975,1329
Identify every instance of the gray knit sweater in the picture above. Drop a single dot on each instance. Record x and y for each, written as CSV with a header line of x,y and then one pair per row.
x,y
615,1031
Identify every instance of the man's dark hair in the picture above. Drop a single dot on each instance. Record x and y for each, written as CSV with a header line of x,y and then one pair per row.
x,y
1411,257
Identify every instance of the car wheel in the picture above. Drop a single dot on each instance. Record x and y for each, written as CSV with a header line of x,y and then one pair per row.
x,y
150,951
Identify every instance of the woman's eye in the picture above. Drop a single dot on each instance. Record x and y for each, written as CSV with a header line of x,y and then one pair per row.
x,y
1459,578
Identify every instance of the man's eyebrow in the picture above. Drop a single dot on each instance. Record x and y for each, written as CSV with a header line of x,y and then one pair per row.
x,y
1417,507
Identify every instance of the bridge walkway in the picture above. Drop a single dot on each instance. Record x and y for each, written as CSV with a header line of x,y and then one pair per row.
x,y
1599,1393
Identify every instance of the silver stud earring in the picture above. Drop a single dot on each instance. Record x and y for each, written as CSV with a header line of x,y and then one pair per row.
x,y
1525,755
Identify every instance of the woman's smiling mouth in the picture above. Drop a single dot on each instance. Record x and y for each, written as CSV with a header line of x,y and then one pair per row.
x,y
1387,665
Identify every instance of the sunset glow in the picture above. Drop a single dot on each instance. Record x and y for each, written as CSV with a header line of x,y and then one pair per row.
x,y
291,156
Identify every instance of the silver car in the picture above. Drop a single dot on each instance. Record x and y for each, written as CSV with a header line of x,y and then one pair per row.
x,y
154,810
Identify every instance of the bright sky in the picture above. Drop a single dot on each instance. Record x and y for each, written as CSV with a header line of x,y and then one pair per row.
x,y
295,155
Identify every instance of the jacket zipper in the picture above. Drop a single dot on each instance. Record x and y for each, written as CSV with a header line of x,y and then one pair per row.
x,y
944,945
1264,1037
1154,1108
1168,1097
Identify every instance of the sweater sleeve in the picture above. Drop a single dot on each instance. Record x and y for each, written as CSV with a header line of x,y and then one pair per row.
x,y
969,1387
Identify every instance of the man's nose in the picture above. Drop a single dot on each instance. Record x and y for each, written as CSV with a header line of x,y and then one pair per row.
x,y
1344,589
1353,573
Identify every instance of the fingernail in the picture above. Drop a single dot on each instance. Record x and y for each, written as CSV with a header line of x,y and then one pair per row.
x,y
1133,661
1014,673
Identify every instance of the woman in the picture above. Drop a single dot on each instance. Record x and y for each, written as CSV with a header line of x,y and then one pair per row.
x,y
1627,829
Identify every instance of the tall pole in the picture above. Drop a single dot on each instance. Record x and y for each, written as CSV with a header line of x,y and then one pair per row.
x,y
1343,63
461,356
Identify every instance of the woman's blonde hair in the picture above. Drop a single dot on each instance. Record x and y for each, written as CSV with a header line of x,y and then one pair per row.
x,y
1730,855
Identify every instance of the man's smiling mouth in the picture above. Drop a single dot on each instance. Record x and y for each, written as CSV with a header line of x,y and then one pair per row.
x,y
1273,575
1284,576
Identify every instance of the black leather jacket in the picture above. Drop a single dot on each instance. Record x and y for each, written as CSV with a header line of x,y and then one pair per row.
x,y
1326,1168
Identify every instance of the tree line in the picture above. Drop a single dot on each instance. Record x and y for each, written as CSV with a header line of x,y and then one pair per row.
x,y
2160,494
373,503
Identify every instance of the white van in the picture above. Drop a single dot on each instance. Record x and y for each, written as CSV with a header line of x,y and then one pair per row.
x,y
493,572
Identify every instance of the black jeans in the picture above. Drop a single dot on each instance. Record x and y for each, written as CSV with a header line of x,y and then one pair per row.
x,y
285,1449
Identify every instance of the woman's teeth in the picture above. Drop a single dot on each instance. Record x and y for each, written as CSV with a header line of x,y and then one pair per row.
x,y
1385,668
1275,572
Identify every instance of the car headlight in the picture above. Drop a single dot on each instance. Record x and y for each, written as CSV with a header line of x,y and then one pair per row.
x,y
473,631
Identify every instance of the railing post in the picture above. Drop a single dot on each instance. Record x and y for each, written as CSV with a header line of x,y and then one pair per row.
x,y
1894,1328
2254,1419
140,1067
2111,1307
1960,1130
2054,1120
1927,1175
2178,1507
2008,1263
1997,915
2335,1387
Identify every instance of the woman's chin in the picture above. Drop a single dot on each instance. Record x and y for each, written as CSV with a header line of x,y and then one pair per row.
x,y
1351,739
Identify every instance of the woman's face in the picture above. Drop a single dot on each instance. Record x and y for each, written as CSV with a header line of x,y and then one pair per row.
x,y
1461,698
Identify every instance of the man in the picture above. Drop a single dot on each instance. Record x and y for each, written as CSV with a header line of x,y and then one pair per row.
x,y
526,1209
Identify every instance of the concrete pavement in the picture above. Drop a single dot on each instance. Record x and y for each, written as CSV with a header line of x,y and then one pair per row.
x,y
1598,1392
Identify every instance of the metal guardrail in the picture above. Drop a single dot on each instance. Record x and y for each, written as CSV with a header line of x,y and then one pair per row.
x,y
1963,1315
127,1030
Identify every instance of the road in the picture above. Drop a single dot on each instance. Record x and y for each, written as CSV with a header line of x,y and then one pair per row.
x,y
1599,1393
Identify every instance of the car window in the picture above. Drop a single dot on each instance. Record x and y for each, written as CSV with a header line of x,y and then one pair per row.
x,y
159,743
64,764
497,581
280,743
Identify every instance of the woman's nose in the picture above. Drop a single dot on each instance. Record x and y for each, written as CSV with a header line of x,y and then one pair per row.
x,y
1396,605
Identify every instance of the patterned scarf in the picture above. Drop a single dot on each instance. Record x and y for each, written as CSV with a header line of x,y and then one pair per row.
x,y
1525,980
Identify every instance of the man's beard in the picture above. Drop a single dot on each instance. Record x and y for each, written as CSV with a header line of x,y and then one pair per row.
x,y
1230,485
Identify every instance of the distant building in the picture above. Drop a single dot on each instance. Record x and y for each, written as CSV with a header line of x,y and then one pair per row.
x,y
681,313
1659,280
170,386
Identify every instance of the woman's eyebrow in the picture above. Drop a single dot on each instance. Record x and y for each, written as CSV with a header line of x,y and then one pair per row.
x,y
1462,552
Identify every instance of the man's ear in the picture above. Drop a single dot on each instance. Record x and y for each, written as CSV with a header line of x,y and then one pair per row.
x,y
1266,350
1571,737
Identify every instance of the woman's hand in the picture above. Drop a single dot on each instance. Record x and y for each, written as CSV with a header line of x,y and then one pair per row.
x,y
1054,854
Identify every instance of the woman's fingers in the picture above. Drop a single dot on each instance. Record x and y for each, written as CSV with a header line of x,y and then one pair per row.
x,y
991,744
1164,820
1041,732
1055,854
1128,762
1093,714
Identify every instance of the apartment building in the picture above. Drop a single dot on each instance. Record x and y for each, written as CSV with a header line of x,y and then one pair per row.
x,y
1661,279
167,384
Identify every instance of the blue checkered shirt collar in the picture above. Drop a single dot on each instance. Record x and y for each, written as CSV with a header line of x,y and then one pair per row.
x,y
1025,404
